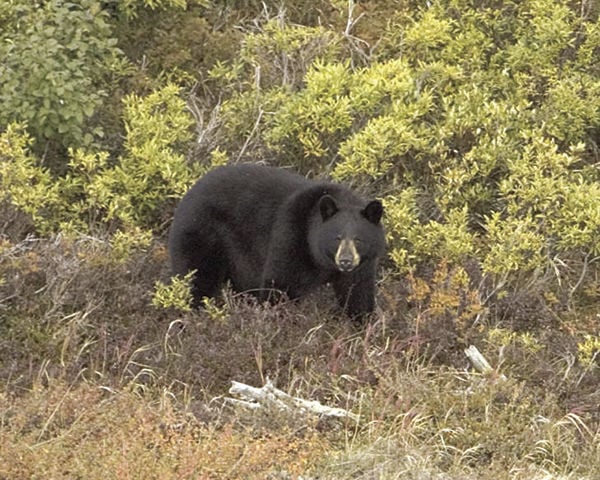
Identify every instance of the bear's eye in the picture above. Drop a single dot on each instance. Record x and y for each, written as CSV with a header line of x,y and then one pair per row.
x,y
338,238
357,241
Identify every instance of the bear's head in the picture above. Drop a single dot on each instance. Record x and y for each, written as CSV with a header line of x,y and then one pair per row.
x,y
344,237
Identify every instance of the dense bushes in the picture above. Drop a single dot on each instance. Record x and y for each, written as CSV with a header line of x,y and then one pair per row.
x,y
100,195
478,125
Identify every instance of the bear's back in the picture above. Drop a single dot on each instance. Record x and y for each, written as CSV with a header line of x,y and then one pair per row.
x,y
244,188
236,203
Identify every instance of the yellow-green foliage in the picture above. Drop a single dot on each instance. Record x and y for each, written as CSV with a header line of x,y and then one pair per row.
x,y
478,124
176,294
215,312
280,53
318,113
412,241
126,242
24,183
153,169
589,350
97,192
503,337
275,60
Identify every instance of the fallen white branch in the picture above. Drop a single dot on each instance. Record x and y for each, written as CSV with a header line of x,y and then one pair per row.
x,y
269,396
243,403
479,362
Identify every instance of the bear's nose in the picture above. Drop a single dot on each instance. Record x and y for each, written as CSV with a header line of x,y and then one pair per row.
x,y
346,264
346,257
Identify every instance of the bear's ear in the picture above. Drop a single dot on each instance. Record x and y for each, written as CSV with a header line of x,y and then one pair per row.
x,y
373,211
327,206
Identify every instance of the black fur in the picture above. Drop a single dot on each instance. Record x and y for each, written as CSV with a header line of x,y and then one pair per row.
x,y
266,230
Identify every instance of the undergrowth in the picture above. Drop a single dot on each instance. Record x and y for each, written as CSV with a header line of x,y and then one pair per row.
x,y
95,380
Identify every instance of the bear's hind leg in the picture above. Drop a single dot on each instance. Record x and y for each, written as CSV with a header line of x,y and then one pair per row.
x,y
208,261
206,281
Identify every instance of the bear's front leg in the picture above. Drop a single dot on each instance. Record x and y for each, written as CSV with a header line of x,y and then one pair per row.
x,y
355,291
288,278
288,267
274,287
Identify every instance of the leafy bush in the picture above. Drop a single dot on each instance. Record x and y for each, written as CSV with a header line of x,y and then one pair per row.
x,y
26,184
96,193
178,294
59,56
151,173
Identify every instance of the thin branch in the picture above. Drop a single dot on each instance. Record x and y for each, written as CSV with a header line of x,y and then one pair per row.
x,y
586,264
247,142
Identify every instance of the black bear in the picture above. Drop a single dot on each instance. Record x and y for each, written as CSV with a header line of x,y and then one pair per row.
x,y
269,230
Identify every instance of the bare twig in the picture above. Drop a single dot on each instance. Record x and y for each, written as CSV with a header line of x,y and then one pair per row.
x,y
586,264
247,142
351,21
355,42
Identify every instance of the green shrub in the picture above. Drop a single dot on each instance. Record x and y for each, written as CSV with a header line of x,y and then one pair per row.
x,y
24,183
99,194
152,171
177,294
477,125
57,61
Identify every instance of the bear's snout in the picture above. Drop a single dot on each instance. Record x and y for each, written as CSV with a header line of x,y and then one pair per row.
x,y
347,257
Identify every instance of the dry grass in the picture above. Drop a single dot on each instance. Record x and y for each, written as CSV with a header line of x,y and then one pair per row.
x,y
86,431
97,383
